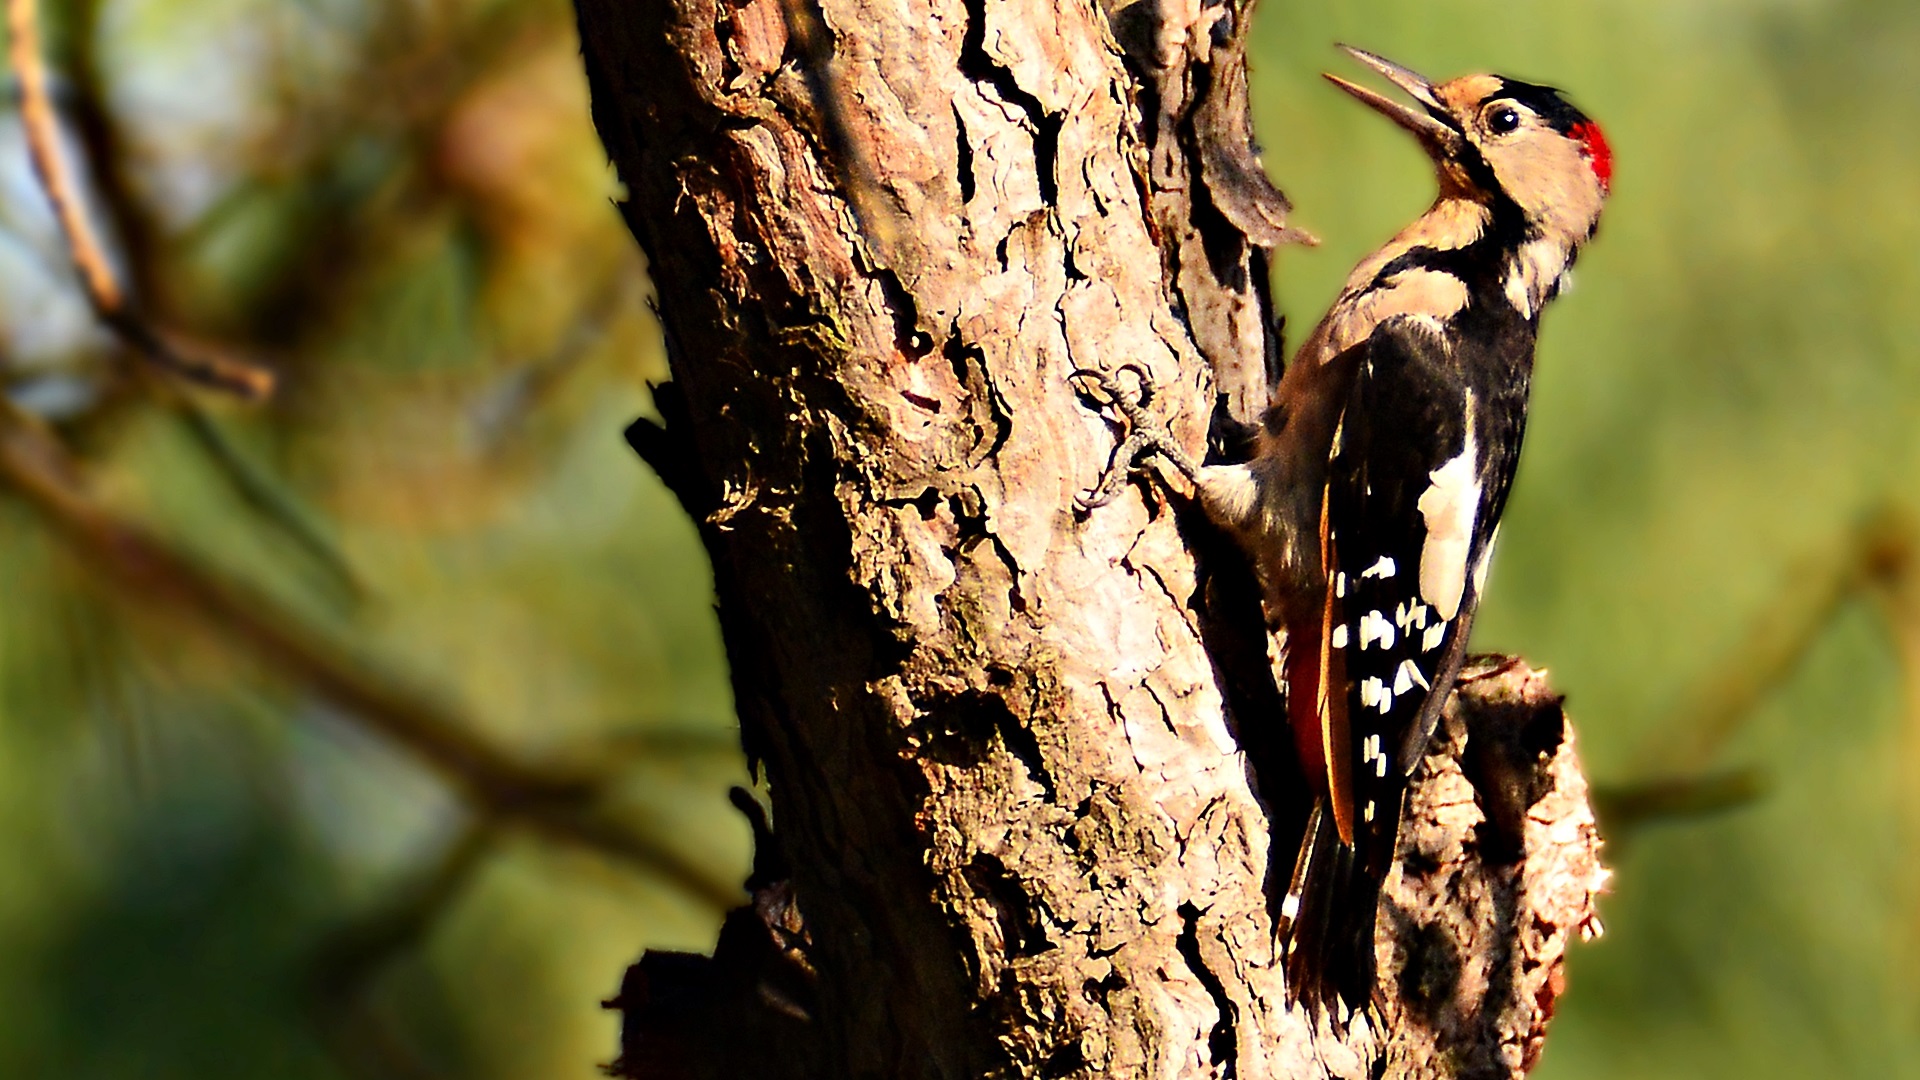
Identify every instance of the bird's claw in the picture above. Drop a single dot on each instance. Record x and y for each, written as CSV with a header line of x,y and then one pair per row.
x,y
1145,433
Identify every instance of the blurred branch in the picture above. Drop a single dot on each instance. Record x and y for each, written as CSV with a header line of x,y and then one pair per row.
x,y
1899,596
110,301
880,222
90,118
1625,809
1875,559
566,807
270,501
347,961
1708,718
350,954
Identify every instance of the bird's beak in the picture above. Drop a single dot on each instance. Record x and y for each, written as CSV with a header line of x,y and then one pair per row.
x,y
1439,136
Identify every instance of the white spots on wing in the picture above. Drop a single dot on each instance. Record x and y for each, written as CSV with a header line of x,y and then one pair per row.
x,y
1374,627
1409,673
1375,695
1414,616
1339,637
1372,754
1290,907
1382,569
1368,814
1449,505
1431,639
1402,682
1340,585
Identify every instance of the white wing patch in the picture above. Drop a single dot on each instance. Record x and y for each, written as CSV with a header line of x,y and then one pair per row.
x,y
1449,505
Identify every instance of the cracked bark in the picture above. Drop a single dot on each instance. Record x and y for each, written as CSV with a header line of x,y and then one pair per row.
x,y
1029,787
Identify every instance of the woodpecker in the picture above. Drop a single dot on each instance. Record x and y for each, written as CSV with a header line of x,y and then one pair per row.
x,y
1370,504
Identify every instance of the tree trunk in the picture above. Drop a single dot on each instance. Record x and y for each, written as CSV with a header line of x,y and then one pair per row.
x,y
1030,785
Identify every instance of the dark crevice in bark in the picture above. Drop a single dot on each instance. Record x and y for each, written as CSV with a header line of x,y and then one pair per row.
x,y
964,151
969,516
1430,971
912,341
1275,323
966,724
1020,926
969,364
1070,265
1225,245
1502,762
1221,1044
980,66
666,448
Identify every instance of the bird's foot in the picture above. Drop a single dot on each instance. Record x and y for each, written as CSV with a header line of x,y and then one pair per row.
x,y
1146,433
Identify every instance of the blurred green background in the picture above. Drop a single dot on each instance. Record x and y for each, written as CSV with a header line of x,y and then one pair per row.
x,y
217,864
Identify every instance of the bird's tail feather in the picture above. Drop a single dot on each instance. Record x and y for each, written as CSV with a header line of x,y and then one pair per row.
x,y
1327,923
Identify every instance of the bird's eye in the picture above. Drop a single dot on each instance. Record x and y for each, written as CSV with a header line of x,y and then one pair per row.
x,y
1502,121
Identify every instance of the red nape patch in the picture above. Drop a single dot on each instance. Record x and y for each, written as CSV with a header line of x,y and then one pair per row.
x,y
1599,154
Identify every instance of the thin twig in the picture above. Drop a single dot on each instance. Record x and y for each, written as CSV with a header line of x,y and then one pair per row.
x,y
108,298
564,806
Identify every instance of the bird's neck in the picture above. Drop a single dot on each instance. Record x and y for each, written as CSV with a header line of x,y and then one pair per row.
x,y
1534,272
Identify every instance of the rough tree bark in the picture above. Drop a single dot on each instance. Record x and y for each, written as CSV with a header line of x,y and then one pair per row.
x,y
1030,796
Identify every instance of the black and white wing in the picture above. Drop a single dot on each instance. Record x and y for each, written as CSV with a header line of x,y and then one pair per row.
x,y
1413,492
1418,473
